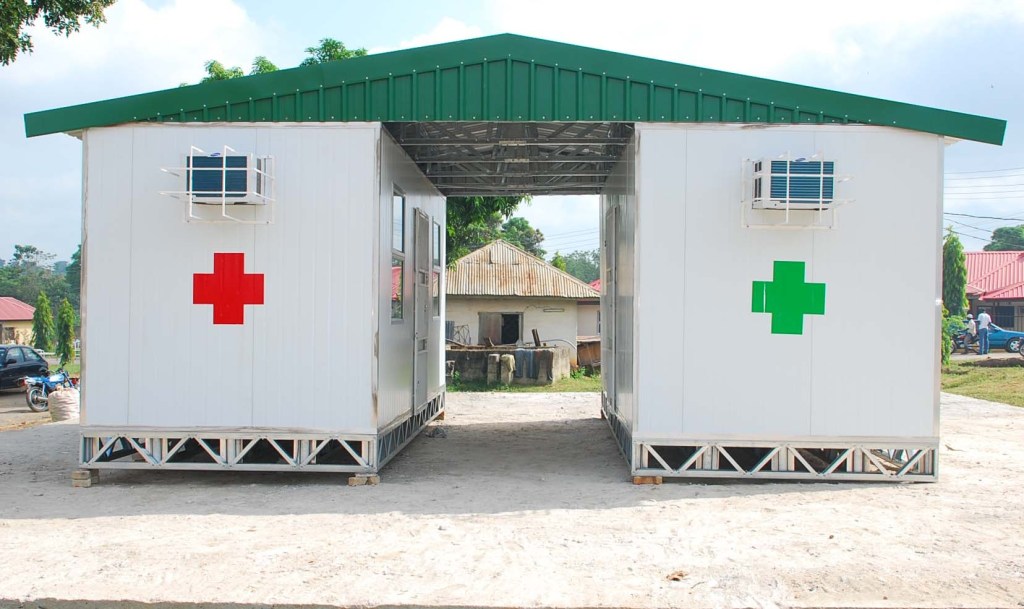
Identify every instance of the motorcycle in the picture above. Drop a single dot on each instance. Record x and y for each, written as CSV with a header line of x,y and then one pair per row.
x,y
38,388
963,341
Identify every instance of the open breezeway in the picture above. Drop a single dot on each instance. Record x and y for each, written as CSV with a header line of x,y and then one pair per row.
x,y
517,500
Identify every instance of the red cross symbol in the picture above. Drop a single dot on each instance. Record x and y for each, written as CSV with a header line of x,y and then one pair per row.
x,y
228,289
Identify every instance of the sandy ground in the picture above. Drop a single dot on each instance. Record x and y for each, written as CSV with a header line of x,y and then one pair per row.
x,y
524,502
14,414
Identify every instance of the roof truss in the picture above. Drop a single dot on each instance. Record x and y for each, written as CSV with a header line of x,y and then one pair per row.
x,y
498,158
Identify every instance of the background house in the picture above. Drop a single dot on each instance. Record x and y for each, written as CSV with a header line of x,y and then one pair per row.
x,y
15,321
501,293
589,322
995,281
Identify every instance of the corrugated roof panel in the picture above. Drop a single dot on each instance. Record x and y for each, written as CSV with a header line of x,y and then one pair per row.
x,y
501,269
509,78
991,275
12,309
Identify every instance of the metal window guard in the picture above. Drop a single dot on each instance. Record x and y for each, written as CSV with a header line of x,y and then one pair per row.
x,y
825,207
260,187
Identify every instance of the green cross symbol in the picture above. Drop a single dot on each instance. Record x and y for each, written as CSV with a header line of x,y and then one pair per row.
x,y
788,298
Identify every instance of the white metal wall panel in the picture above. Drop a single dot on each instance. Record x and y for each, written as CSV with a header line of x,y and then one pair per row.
x,y
711,367
315,323
180,361
618,303
553,318
106,254
897,183
395,360
313,365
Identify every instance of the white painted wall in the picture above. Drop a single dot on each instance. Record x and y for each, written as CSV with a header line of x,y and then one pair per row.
x,y
303,359
708,366
395,364
554,318
586,320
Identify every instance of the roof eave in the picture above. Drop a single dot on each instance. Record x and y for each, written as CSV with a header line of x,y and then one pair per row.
x,y
810,104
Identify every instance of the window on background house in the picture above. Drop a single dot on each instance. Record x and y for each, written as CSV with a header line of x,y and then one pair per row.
x,y
397,256
1003,316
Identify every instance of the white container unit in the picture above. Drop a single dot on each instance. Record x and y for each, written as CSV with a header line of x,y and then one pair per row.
x,y
281,311
749,340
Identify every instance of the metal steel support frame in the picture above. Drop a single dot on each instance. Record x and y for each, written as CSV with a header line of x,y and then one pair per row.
x,y
393,439
818,459
620,430
249,449
213,449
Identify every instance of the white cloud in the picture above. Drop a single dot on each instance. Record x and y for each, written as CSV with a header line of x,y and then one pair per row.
x,y
746,36
569,223
142,48
447,29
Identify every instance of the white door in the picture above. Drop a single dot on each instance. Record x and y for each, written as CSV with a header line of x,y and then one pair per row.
x,y
421,308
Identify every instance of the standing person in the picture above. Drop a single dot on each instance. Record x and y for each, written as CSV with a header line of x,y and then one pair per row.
x,y
972,333
983,323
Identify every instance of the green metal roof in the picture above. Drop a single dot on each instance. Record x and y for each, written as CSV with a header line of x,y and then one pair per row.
x,y
509,78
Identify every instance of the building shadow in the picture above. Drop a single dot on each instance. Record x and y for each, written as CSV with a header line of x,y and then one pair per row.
x,y
485,468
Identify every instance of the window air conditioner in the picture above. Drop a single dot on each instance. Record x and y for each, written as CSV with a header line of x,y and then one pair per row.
x,y
796,184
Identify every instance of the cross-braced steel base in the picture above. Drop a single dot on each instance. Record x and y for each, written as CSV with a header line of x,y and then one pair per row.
x,y
886,459
826,459
250,449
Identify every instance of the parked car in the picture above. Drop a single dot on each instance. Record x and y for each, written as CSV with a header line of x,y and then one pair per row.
x,y
17,362
1007,339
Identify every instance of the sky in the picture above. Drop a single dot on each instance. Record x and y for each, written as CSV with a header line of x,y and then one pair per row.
x,y
957,55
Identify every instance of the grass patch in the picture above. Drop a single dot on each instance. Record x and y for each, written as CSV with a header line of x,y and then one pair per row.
x,y
579,383
995,383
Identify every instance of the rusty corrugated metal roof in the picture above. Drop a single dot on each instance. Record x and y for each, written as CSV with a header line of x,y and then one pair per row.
x,y
502,269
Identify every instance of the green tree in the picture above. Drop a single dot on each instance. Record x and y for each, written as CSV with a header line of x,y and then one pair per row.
x,y
73,274
330,49
262,65
951,324
1006,238
215,71
30,256
42,324
29,274
473,222
583,265
518,232
558,261
954,274
61,16
66,333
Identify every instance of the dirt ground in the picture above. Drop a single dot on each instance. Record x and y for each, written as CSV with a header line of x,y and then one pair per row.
x,y
524,501
14,414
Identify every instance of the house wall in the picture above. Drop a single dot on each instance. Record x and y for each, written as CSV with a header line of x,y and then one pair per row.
x,y
302,360
586,321
708,365
618,283
17,332
554,318
394,390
